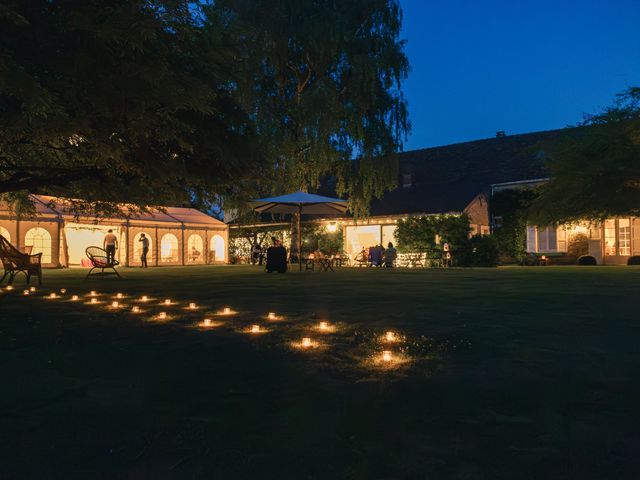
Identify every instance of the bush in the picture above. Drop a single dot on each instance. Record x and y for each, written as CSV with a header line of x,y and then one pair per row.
x,y
587,260
578,245
635,260
416,234
479,251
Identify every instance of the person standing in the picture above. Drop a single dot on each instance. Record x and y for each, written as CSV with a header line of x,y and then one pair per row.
x,y
110,245
145,250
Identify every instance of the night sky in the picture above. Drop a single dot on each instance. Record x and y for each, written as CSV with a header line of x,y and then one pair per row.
x,y
479,66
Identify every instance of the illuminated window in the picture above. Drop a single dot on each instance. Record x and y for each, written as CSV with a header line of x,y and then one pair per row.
x,y
388,232
624,236
217,248
531,239
40,241
195,248
5,233
169,248
610,237
137,248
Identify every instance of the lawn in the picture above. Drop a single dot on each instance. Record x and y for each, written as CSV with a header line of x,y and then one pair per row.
x,y
506,373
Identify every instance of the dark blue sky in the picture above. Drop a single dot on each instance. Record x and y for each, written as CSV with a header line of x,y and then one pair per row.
x,y
479,66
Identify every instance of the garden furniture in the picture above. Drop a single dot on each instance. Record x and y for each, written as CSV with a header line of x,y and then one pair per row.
x,y
14,261
99,261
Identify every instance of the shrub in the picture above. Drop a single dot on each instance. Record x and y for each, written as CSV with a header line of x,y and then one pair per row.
x,y
578,245
587,260
419,233
635,260
479,251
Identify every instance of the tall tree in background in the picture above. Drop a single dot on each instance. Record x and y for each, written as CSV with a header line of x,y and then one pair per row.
x,y
127,100
596,175
321,79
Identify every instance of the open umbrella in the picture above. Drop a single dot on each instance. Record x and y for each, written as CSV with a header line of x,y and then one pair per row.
x,y
300,202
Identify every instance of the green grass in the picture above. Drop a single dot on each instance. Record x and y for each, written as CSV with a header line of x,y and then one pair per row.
x,y
513,373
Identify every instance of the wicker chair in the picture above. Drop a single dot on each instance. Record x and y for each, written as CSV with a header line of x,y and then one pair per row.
x,y
14,261
100,261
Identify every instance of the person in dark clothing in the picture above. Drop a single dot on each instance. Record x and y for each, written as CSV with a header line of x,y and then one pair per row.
x,y
390,255
145,250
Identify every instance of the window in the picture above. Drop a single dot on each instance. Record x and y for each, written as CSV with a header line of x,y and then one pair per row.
x,y
610,237
624,236
543,240
40,240
169,248
532,246
217,248
137,248
388,232
5,233
561,235
195,249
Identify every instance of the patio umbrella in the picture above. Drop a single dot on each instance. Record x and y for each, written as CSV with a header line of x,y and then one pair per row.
x,y
300,202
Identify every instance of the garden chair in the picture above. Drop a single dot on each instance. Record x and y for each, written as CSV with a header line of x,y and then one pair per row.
x,y
361,260
14,261
99,260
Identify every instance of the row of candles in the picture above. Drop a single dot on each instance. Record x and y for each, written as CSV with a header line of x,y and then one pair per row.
x,y
386,357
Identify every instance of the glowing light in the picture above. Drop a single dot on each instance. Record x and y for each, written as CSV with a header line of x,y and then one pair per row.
x,y
162,315
63,291
271,316
306,342
115,304
390,336
32,289
144,298
167,301
226,311
255,328
26,292
93,293
207,322
9,287
119,295
135,309
387,356
323,326
94,300
52,295
74,298
193,306
332,227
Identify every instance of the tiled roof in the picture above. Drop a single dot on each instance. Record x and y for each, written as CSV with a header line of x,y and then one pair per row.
x,y
446,179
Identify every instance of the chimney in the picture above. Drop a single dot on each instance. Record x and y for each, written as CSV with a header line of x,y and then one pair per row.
x,y
501,134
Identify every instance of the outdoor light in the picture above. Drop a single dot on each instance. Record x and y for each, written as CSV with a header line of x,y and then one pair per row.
x,y
271,316
207,322
26,292
52,295
32,289
115,304
323,326
144,298
386,356
94,300
306,342
74,298
9,287
167,302
227,311
193,306
162,315
63,291
390,336
135,309
332,227
255,328
93,293
119,295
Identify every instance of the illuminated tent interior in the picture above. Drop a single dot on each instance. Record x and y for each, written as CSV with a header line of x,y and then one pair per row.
x,y
177,236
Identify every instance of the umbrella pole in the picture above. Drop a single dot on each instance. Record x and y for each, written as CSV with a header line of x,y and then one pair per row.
x,y
300,237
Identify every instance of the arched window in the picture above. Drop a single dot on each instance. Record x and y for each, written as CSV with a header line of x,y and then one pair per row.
x,y
169,252
40,240
137,248
5,233
195,249
217,246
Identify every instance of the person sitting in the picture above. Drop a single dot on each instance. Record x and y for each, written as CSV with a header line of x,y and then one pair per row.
x,y
390,255
375,256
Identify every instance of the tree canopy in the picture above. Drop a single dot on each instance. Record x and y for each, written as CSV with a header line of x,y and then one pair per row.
x,y
597,174
172,101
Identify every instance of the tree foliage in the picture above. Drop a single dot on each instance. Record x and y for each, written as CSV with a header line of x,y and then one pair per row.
x,y
416,234
596,175
511,235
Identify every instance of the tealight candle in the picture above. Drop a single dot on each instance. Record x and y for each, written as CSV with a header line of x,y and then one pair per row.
x,y
119,295
193,306
63,291
115,304
167,302
271,316
9,287
386,356
390,336
306,342
207,322
74,298
93,293
26,292
323,326
162,315
32,289
255,328
52,295
226,311
135,309
144,298
94,300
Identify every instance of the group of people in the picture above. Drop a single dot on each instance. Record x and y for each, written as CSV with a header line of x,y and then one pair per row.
x,y
110,245
378,256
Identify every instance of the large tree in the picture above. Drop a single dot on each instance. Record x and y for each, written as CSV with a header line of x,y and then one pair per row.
x,y
322,81
596,174
127,100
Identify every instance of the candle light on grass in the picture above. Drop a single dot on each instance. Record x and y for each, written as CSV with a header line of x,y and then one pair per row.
x,y
53,295
193,306
144,298
74,298
32,289
115,304
93,293
135,309
390,336
206,322
9,287
162,315
167,301
119,295
26,292
387,356
94,301
63,291
306,342
255,328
